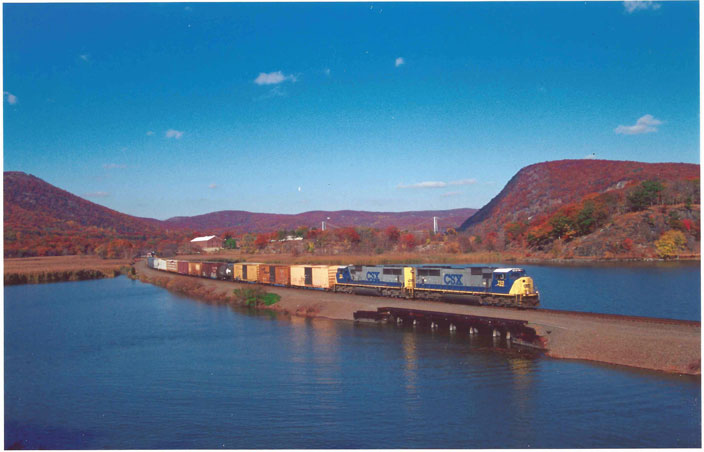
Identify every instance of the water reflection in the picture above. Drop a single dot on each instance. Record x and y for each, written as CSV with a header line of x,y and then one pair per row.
x,y
410,368
523,389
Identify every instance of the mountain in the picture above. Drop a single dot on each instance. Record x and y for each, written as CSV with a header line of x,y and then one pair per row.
x,y
237,221
41,204
543,188
41,219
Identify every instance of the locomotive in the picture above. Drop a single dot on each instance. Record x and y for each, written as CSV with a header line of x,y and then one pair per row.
x,y
457,283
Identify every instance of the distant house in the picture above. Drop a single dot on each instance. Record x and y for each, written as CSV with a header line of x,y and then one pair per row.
x,y
208,243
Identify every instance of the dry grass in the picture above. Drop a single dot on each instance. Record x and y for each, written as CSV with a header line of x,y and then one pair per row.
x,y
33,270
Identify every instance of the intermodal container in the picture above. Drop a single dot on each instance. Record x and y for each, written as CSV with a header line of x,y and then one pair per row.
x,y
150,262
194,268
182,267
161,264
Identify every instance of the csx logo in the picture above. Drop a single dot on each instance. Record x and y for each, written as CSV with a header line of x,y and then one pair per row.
x,y
453,280
373,276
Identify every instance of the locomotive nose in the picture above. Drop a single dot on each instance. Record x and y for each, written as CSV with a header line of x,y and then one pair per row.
x,y
523,286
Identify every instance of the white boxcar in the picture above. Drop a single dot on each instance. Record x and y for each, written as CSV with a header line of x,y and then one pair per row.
x,y
317,276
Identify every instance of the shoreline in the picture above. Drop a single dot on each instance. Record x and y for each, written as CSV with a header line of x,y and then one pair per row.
x,y
672,347
42,270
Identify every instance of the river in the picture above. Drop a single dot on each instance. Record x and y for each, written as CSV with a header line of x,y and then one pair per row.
x,y
120,364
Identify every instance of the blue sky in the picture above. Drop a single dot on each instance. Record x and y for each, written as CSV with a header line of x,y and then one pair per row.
x,y
170,109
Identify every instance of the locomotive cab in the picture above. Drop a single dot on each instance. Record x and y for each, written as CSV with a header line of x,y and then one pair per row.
x,y
513,281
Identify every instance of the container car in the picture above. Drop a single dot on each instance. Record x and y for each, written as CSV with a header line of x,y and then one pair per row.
x,y
172,266
182,267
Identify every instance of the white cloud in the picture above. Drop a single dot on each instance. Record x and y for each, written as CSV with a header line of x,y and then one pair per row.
x,y
327,71
438,184
274,78
590,156
171,133
645,124
428,184
400,61
11,98
97,194
150,133
212,186
114,166
635,5
84,57
463,182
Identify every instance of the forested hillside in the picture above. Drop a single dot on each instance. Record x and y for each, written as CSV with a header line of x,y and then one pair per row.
x,y
595,208
43,220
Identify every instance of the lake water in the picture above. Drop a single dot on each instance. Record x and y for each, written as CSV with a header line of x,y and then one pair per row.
x,y
664,289
121,364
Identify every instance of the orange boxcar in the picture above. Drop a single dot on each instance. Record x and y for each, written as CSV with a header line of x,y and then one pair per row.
x,y
279,275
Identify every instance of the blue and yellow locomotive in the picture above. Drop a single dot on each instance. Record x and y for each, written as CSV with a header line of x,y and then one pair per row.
x,y
458,283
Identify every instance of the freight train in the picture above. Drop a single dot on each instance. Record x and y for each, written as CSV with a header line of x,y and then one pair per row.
x,y
468,284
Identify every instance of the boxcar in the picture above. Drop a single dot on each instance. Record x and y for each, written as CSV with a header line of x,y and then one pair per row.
x,y
194,268
247,272
314,276
161,264
279,275
172,266
182,267
209,270
150,262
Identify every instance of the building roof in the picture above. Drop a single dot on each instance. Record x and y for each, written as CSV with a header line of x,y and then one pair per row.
x,y
203,239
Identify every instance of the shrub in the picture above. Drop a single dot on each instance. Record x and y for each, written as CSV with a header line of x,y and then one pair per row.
x,y
408,241
670,243
255,296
